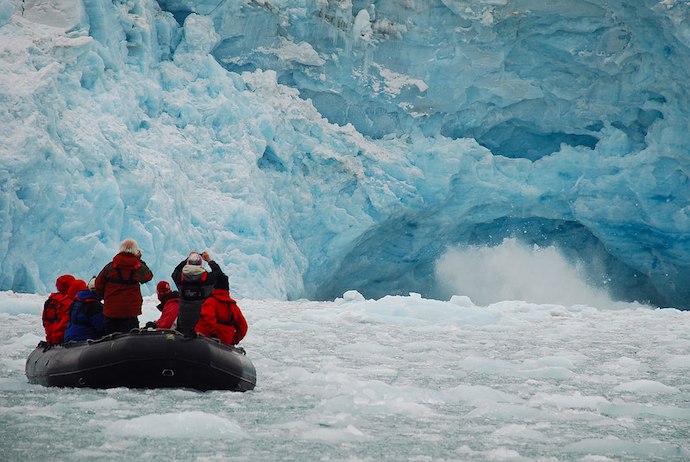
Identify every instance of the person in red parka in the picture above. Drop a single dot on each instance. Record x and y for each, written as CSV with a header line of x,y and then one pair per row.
x,y
65,308
58,328
221,317
51,309
168,306
119,285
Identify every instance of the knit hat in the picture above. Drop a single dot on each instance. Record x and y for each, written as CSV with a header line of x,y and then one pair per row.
x,y
222,282
163,289
63,282
77,286
194,259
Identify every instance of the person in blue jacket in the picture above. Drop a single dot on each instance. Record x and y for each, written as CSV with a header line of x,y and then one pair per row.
x,y
86,319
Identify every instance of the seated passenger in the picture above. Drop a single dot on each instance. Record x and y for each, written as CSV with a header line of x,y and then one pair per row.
x,y
168,306
64,310
86,315
51,309
220,316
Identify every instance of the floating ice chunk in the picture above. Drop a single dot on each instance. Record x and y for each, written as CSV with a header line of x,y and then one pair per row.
x,y
461,300
646,387
678,362
193,425
104,403
575,401
353,296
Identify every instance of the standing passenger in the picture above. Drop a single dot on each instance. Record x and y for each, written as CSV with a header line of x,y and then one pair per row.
x,y
119,285
195,284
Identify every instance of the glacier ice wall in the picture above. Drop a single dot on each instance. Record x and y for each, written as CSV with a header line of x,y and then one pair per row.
x,y
316,146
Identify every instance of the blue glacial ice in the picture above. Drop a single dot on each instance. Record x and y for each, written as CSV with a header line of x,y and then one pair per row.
x,y
317,146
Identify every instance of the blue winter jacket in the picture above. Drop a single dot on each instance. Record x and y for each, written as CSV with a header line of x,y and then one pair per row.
x,y
86,319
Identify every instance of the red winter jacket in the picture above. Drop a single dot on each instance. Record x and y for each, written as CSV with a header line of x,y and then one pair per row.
x,y
118,284
222,318
169,306
56,310
52,316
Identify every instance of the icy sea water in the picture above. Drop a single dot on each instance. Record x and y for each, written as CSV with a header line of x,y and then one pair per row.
x,y
401,378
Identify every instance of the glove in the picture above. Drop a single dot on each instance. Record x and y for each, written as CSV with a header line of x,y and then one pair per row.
x,y
151,325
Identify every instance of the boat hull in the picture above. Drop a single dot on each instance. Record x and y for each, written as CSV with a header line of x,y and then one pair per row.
x,y
142,359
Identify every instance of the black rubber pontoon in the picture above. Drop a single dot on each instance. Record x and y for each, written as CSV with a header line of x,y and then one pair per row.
x,y
142,359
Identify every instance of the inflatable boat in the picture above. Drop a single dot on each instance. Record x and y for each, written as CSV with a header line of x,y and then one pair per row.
x,y
142,359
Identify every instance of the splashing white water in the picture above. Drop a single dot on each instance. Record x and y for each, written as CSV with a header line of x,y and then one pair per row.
x,y
514,271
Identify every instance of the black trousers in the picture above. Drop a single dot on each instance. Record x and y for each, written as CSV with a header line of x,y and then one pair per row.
x,y
120,324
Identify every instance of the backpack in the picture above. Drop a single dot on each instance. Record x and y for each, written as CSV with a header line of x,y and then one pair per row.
x,y
84,307
119,278
51,308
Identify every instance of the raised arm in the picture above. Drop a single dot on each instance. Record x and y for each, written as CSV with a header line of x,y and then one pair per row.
x,y
177,272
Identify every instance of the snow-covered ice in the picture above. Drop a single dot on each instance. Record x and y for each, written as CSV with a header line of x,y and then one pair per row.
x,y
399,378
